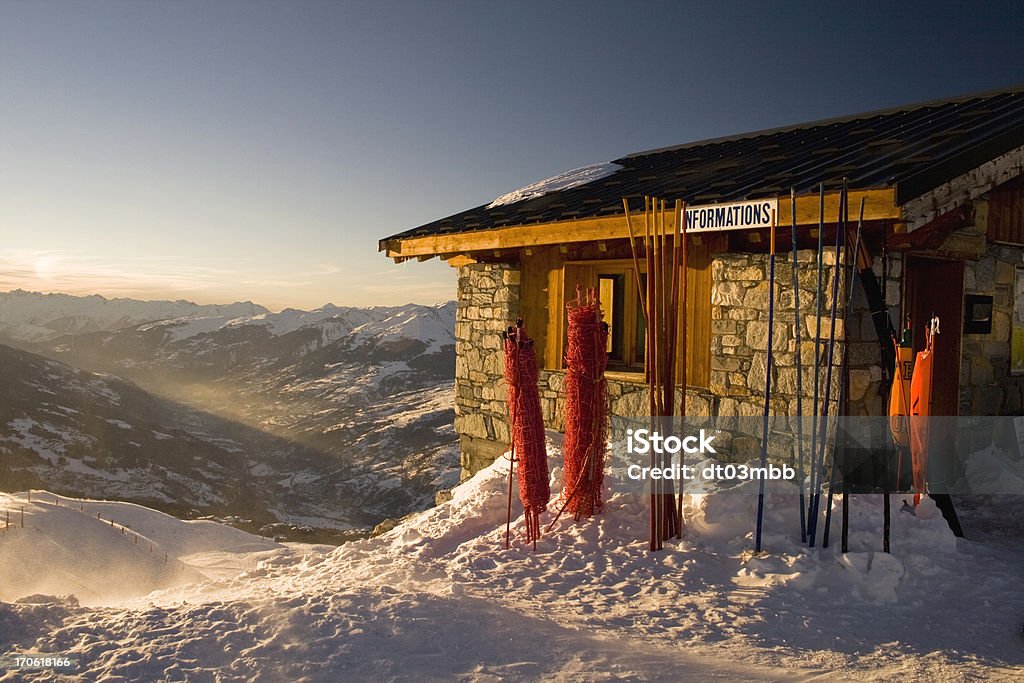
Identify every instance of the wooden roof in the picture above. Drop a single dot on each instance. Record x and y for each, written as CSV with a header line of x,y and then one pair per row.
x,y
905,151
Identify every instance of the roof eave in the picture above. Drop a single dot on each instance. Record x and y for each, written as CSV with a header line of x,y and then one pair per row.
x,y
880,204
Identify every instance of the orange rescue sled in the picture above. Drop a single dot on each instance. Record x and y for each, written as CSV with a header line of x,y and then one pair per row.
x,y
920,410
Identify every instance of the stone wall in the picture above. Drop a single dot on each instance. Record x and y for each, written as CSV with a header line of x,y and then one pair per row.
x,y
626,397
986,385
867,395
739,331
488,301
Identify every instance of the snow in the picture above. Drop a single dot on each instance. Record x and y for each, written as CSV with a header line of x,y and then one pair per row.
x,y
440,598
185,327
433,325
106,552
26,432
562,181
992,470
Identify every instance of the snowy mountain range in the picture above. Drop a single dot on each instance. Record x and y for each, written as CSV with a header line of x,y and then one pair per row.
x,y
333,418
32,316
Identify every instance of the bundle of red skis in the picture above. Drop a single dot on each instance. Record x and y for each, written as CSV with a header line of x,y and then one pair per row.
x,y
528,447
586,405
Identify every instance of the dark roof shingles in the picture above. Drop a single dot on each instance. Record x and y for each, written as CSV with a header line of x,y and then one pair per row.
x,y
914,149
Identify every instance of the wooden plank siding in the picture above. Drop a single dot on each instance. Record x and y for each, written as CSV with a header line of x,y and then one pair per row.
x,y
698,307
539,293
1006,216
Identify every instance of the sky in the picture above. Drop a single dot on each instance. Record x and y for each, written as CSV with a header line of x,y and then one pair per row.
x,y
223,151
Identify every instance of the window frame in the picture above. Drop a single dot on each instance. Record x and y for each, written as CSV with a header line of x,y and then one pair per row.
x,y
585,273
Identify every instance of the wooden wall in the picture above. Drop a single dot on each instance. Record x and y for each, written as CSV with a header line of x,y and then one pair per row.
x,y
550,274
1006,216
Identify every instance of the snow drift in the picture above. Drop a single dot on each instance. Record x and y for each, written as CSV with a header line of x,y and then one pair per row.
x,y
439,597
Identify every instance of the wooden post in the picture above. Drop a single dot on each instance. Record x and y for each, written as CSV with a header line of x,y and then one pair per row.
x,y
680,284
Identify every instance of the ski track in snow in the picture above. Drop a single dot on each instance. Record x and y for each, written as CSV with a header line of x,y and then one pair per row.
x,y
439,597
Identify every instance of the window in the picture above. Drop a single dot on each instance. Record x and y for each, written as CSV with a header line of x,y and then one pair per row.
x,y
620,301
622,312
617,287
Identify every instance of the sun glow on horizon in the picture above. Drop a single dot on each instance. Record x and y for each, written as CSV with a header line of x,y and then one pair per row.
x,y
219,282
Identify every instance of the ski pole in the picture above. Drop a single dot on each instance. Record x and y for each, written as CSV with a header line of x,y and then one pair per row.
x,y
799,374
823,422
817,346
886,521
842,397
767,386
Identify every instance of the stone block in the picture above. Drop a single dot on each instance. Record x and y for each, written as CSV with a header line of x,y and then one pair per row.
x,y
743,314
720,327
697,405
633,404
757,335
859,382
981,373
719,383
1004,272
984,274
756,297
472,424
1000,326
811,323
738,273
501,431
727,294
729,364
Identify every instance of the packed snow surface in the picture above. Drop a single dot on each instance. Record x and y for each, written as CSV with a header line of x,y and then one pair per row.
x,y
440,598
105,552
562,181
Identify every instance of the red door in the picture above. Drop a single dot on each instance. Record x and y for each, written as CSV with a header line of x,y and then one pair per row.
x,y
935,286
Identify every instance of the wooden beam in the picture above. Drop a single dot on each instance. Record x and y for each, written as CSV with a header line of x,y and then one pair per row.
x,y
879,205
460,260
